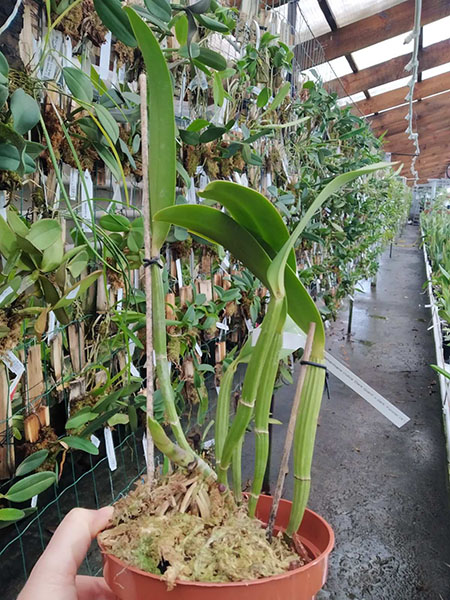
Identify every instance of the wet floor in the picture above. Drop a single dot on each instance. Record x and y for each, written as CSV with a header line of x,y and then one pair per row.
x,y
383,489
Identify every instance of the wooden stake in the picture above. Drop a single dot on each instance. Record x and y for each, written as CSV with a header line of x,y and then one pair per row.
x,y
290,433
170,303
6,436
76,346
148,275
186,295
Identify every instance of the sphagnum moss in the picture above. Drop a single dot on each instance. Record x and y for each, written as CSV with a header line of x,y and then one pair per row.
x,y
152,532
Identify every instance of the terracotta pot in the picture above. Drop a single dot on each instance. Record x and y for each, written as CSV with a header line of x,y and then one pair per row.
x,y
130,583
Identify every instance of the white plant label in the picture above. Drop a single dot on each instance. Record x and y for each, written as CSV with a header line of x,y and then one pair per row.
x,y
223,325
3,204
144,446
249,326
110,450
293,341
56,46
6,293
17,367
73,293
73,184
95,440
105,54
396,416
179,272
53,325
198,350
120,300
34,501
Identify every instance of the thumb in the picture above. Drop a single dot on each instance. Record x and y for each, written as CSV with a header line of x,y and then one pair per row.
x,y
69,545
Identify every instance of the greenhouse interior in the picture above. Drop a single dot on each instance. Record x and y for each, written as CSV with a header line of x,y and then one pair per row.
x,y
224,299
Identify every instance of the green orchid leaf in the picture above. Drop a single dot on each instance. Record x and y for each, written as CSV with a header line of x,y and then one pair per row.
x,y
8,240
4,66
108,122
280,96
79,84
31,463
78,443
53,256
212,59
160,9
114,222
16,223
253,212
263,97
109,160
44,233
78,263
11,514
115,19
212,24
276,270
77,290
181,30
161,124
9,157
30,486
200,7
25,111
217,227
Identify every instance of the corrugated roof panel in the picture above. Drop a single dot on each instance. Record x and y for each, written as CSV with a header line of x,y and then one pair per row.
x,y
311,13
383,51
349,11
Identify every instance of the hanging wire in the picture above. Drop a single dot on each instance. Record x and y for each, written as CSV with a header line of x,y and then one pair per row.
x,y
413,67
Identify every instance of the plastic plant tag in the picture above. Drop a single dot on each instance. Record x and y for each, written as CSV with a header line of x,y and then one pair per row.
x,y
105,54
198,349
34,501
73,293
179,272
53,325
294,338
73,184
17,367
110,450
95,440
144,446
50,64
223,325
119,299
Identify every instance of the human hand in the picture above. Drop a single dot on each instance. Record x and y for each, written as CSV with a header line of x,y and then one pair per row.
x,y
54,576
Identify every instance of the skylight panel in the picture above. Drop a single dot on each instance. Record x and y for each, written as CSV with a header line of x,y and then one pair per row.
x,y
350,11
388,87
383,51
436,32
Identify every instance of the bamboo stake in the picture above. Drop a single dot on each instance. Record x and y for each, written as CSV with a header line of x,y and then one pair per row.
x,y
290,434
148,274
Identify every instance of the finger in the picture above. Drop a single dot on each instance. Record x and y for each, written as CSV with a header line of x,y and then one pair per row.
x,y
70,543
90,588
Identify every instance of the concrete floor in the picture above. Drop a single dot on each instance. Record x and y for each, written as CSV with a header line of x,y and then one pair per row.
x,y
383,489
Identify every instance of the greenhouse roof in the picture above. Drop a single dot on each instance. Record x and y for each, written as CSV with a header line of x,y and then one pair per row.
x,y
366,54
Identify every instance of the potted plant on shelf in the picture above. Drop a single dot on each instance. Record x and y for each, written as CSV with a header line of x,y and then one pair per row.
x,y
188,531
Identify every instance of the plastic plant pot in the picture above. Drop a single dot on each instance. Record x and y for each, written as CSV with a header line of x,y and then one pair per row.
x,y
303,583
